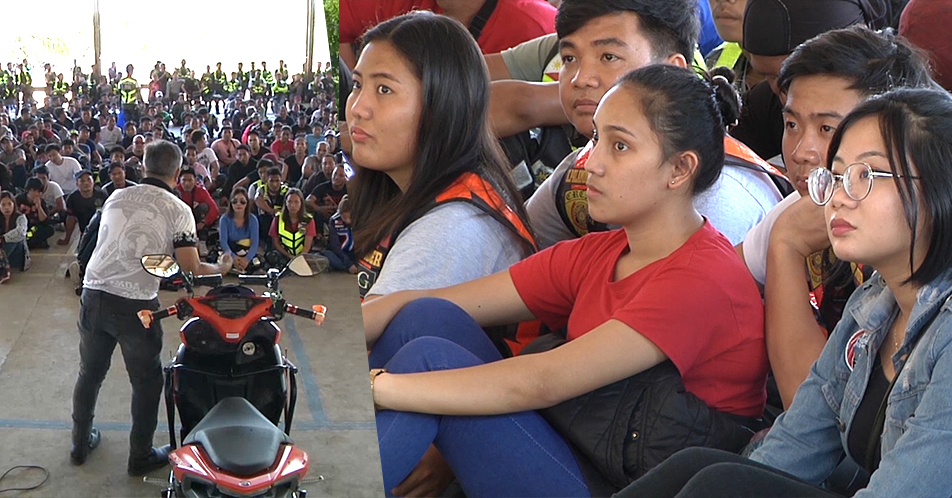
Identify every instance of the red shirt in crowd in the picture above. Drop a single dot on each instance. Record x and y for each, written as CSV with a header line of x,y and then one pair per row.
x,y
283,149
200,195
511,23
699,305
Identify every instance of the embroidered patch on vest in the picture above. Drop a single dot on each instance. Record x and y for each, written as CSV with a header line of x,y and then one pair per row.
x,y
859,340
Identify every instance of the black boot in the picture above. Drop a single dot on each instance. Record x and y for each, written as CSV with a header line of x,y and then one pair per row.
x,y
85,440
154,460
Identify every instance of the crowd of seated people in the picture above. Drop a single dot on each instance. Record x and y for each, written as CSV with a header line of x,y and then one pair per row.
x,y
61,163
854,328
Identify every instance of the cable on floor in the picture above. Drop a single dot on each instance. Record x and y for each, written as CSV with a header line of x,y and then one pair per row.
x,y
46,476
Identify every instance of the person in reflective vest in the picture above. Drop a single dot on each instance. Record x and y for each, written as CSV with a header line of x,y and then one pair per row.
x,y
207,84
8,88
60,88
129,95
232,86
183,72
258,89
280,91
266,75
26,82
469,188
220,77
293,230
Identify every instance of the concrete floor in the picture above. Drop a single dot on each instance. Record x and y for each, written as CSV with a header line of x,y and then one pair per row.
x,y
333,423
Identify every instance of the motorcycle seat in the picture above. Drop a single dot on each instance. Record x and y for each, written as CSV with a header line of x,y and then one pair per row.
x,y
237,437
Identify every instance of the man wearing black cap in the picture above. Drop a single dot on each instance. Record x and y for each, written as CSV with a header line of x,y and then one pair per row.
x,y
146,219
81,205
772,29
331,138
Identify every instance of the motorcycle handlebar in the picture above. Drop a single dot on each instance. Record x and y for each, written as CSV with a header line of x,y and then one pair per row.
x,y
253,279
317,313
147,316
207,280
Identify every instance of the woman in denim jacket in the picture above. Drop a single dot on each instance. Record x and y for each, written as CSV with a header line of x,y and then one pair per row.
x,y
881,391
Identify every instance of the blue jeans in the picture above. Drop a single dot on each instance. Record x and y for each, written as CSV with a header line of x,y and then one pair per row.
x,y
337,264
517,454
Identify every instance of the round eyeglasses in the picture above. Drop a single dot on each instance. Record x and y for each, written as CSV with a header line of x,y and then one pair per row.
x,y
857,181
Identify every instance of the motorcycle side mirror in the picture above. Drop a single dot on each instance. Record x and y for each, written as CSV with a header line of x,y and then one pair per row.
x,y
160,265
300,267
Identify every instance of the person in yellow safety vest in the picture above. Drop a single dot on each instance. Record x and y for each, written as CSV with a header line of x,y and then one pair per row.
x,y
280,90
266,75
242,78
5,80
129,95
207,85
269,194
26,82
60,88
232,86
270,189
258,89
11,88
293,230
183,72
12,77
220,77
282,73
729,21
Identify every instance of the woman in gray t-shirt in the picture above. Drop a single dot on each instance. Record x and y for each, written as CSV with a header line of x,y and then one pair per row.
x,y
434,203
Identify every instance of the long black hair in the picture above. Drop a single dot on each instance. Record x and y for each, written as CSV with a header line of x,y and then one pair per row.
x,y
231,208
873,62
4,225
453,136
916,126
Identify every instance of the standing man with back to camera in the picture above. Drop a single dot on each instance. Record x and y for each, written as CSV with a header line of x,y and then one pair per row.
x,y
144,219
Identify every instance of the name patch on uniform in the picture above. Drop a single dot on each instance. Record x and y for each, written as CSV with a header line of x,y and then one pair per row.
x,y
374,259
576,175
859,340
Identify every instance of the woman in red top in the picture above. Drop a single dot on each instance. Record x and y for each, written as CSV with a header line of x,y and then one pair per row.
x,y
667,286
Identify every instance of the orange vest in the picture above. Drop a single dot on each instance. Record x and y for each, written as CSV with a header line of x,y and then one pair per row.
x,y
468,188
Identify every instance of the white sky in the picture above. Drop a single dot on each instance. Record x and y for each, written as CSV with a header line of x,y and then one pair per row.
x,y
201,31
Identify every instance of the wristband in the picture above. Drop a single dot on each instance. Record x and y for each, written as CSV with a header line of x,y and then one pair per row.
x,y
374,373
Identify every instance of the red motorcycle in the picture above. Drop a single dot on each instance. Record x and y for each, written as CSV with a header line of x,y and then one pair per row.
x,y
231,385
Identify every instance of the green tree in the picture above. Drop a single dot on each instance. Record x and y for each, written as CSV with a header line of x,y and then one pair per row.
x,y
332,17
